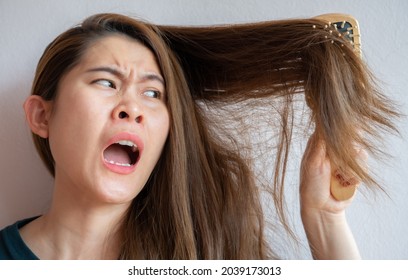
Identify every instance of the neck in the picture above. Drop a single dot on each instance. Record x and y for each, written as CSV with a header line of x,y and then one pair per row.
x,y
76,229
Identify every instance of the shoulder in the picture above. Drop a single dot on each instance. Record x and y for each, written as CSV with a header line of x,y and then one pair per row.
x,y
12,246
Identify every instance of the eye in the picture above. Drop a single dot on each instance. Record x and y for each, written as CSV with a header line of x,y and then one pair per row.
x,y
105,83
152,93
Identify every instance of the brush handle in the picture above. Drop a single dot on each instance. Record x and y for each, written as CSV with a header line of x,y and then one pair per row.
x,y
340,192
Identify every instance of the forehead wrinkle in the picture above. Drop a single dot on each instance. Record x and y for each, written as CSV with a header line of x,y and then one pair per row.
x,y
103,55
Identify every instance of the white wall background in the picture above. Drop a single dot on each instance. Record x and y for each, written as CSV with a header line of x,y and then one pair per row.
x,y
26,27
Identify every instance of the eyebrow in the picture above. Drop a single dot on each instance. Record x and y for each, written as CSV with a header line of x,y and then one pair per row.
x,y
149,76
152,77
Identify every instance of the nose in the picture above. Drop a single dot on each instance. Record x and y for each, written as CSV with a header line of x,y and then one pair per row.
x,y
128,110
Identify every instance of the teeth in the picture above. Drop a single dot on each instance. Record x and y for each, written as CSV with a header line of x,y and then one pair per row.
x,y
120,164
128,143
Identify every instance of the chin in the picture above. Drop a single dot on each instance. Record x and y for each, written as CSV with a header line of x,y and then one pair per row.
x,y
117,193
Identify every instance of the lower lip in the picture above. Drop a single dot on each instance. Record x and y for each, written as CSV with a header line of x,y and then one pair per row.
x,y
120,169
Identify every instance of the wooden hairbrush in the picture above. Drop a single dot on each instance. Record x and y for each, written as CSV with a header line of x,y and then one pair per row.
x,y
340,188
346,25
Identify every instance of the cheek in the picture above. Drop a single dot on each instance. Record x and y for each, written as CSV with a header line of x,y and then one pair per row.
x,y
158,131
73,128
164,125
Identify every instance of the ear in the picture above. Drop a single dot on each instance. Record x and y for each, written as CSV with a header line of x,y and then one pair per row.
x,y
38,112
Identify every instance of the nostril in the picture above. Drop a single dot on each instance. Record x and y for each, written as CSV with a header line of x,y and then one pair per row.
x,y
138,119
123,115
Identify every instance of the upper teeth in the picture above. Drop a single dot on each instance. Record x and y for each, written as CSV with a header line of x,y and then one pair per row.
x,y
127,143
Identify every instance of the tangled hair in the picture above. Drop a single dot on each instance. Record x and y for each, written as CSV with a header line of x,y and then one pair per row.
x,y
202,199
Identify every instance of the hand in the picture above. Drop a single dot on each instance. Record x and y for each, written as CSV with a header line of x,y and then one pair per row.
x,y
323,216
316,175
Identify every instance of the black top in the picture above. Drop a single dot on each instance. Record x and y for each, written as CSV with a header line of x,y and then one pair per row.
x,y
12,246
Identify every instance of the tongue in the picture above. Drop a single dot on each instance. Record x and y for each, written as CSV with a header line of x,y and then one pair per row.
x,y
116,153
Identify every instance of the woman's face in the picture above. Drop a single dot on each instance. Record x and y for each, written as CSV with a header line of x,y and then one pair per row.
x,y
109,121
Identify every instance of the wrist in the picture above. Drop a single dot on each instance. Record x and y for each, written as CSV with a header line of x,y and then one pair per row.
x,y
329,235
311,215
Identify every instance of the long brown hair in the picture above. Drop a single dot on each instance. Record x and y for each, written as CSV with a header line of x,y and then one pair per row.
x,y
202,200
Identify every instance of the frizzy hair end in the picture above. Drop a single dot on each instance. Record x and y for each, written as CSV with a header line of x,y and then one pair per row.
x,y
311,56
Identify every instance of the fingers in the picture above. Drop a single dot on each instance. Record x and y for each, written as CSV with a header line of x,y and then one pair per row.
x,y
315,152
315,164
315,170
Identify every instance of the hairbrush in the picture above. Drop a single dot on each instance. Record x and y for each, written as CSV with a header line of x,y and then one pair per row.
x,y
348,27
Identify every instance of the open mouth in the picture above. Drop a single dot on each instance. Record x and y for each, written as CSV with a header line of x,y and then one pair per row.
x,y
122,153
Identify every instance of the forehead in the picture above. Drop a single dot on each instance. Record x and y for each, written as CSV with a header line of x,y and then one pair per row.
x,y
121,51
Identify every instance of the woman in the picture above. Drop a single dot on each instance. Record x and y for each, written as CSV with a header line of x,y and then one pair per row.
x,y
118,116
